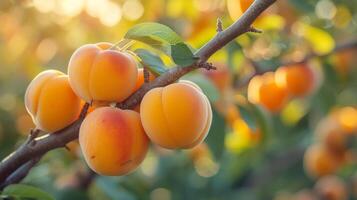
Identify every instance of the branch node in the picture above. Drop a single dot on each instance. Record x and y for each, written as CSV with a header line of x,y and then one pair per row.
x,y
146,75
219,25
207,66
31,138
254,30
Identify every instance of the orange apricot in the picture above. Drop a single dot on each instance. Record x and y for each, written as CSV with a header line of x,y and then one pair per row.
x,y
347,118
113,141
177,116
265,91
236,8
329,132
298,79
51,102
305,194
319,161
98,73
331,188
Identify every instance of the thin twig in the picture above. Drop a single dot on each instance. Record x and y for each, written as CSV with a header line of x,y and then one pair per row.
x,y
219,25
254,30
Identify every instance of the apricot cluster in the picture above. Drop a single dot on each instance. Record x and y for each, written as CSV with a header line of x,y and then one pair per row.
x,y
328,188
331,150
115,141
272,90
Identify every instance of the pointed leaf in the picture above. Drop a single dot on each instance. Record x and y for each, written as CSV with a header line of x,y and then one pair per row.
x,y
152,62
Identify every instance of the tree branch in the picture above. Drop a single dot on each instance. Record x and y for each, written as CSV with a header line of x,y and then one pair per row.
x,y
25,153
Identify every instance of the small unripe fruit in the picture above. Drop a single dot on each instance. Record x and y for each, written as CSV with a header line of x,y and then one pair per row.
x,y
177,116
51,101
113,141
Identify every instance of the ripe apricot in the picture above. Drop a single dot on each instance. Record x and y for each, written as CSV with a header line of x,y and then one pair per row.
x,y
305,194
176,116
297,79
329,132
140,78
113,141
319,161
97,73
347,118
331,188
265,91
236,8
51,102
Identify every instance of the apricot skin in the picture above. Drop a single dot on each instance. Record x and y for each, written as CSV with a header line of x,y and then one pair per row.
x,y
113,141
97,73
236,8
331,188
51,102
319,161
265,91
298,79
177,116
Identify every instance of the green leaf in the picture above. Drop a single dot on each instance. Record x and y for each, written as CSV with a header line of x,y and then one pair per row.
x,y
154,34
208,88
152,62
182,55
26,191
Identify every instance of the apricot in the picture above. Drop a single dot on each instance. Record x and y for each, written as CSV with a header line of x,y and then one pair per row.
x,y
236,8
177,116
113,141
329,132
97,73
265,91
51,102
319,161
298,79
305,194
331,188
347,118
